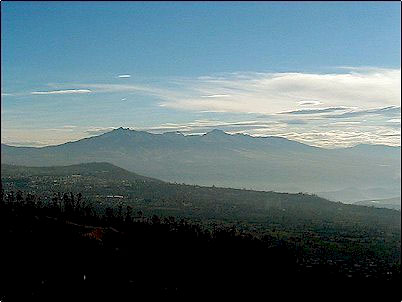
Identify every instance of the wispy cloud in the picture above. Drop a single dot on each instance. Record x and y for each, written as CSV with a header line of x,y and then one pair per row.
x,y
99,130
123,88
316,110
328,137
345,123
333,109
309,103
388,111
69,127
202,126
24,143
270,93
332,138
68,91
295,122
215,96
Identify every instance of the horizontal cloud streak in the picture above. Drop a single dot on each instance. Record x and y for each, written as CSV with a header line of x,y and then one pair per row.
x,y
309,103
395,120
215,96
316,110
68,91
384,111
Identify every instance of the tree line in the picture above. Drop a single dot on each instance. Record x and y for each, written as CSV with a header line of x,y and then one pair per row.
x,y
64,247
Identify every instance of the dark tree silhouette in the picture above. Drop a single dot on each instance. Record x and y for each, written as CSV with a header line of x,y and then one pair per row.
x,y
49,251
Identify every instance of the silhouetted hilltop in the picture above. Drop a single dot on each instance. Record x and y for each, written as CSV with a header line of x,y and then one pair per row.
x,y
97,232
100,181
95,169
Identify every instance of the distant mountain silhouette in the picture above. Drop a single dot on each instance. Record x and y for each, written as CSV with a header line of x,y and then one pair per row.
x,y
389,203
229,160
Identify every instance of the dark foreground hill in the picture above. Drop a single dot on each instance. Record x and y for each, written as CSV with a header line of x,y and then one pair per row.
x,y
106,184
283,240
64,251
239,161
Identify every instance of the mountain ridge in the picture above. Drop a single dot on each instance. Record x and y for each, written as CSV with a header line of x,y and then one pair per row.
x,y
226,160
214,132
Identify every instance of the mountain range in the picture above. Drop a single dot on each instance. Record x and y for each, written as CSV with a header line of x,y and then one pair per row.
x,y
232,160
390,203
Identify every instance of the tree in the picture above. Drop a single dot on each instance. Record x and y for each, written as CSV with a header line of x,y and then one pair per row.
x,y
129,211
109,214
55,200
2,193
72,199
10,196
155,219
120,212
19,196
29,199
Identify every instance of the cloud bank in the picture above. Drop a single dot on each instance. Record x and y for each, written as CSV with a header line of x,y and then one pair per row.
x,y
350,106
270,93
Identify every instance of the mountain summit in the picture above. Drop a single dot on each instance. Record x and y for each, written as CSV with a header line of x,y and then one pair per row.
x,y
229,160
216,132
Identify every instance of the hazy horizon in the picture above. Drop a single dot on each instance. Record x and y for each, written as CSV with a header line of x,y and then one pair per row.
x,y
170,149
98,133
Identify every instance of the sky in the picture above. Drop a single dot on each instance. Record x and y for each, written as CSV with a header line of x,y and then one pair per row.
x,y
325,74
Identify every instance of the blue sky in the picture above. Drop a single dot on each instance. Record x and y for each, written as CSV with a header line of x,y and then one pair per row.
x,y
327,74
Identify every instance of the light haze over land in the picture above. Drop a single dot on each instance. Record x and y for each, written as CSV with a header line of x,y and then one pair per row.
x,y
326,75
352,174
256,144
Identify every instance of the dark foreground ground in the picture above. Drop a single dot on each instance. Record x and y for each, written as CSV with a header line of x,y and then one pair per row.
x,y
67,253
